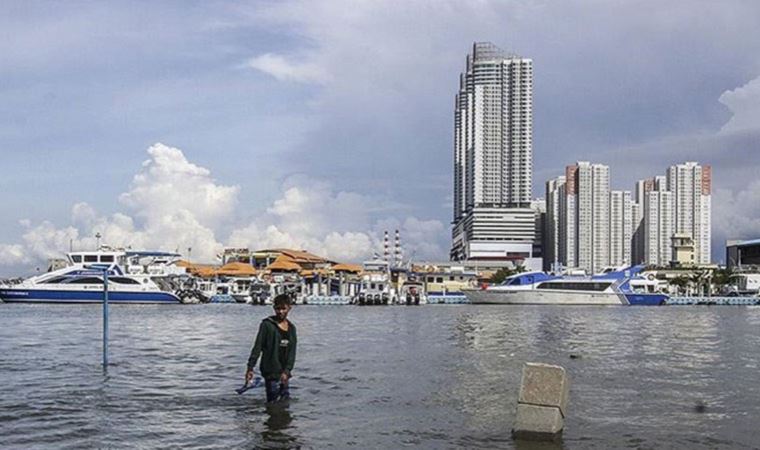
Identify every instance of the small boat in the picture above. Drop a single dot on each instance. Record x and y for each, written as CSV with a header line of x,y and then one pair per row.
x,y
375,287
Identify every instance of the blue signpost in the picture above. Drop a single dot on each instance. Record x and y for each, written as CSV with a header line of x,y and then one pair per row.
x,y
105,319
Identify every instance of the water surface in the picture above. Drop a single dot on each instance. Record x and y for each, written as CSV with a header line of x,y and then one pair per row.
x,y
442,376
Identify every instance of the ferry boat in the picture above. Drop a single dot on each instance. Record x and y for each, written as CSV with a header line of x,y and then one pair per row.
x,y
84,284
81,281
617,287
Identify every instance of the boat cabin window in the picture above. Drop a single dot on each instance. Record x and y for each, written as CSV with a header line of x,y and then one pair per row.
x,y
106,258
451,278
439,280
372,286
575,286
76,258
87,280
90,258
123,280
55,280
430,279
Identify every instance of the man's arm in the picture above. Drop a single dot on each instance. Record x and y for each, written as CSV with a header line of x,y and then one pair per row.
x,y
256,350
292,352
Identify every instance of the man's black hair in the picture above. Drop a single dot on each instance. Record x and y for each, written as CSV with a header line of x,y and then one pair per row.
x,y
281,300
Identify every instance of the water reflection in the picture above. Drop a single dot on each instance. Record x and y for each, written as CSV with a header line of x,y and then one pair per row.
x,y
279,419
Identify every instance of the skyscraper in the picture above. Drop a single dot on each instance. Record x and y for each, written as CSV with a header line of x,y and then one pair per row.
x,y
493,157
691,185
621,228
587,217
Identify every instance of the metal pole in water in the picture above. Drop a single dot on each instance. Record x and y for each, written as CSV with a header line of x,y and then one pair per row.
x,y
105,319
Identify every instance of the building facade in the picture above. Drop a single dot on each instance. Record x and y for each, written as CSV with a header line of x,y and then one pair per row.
x,y
691,185
493,157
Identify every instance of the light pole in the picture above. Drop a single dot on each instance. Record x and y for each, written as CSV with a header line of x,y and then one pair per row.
x,y
98,236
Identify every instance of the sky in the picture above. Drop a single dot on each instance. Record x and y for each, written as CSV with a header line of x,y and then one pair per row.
x,y
191,126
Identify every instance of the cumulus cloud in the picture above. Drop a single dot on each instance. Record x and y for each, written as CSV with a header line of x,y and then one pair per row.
x,y
341,225
175,205
744,103
169,186
283,69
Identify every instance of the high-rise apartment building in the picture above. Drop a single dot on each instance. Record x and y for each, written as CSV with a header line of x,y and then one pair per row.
x,y
493,157
691,185
665,222
554,195
621,228
584,217
658,227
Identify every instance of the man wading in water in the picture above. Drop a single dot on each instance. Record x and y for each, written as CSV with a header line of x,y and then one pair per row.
x,y
276,343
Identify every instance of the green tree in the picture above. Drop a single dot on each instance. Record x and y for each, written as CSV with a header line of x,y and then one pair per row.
x,y
505,272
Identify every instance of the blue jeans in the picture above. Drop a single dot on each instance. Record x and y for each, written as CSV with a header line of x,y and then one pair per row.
x,y
276,390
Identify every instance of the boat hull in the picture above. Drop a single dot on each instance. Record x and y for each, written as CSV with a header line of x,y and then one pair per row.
x,y
78,296
538,297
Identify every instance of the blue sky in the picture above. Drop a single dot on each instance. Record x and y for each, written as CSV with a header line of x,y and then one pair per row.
x,y
320,124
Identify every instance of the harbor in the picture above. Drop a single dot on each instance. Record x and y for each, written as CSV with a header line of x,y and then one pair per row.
x,y
255,277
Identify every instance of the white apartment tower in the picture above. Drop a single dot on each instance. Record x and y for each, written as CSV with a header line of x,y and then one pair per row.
x,y
585,227
554,195
493,156
691,185
658,227
621,228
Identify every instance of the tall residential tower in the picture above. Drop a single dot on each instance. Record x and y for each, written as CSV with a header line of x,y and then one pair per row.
x,y
493,157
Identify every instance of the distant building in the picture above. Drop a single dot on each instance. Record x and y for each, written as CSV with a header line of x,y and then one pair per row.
x,y
539,216
586,221
665,221
493,157
621,228
691,185
741,254
554,194
658,227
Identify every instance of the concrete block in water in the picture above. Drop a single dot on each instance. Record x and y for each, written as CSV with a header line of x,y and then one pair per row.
x,y
538,422
542,403
544,385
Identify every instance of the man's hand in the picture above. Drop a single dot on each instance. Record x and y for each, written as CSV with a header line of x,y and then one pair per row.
x,y
284,378
248,376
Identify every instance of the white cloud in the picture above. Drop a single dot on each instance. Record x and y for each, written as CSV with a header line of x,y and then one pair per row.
x,y
13,255
176,205
284,70
169,186
736,214
744,103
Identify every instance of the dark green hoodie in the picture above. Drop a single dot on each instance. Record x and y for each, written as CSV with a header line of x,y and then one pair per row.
x,y
268,344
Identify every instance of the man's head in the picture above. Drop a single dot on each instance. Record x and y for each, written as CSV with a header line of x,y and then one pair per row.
x,y
282,306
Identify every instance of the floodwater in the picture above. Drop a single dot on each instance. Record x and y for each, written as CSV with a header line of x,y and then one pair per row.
x,y
443,376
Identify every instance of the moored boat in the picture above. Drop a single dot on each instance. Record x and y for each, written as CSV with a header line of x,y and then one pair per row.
x,y
622,287
85,284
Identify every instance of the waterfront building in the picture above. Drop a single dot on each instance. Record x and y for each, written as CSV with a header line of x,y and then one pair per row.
x,y
621,228
554,193
743,254
637,232
539,217
658,227
691,185
587,216
493,157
